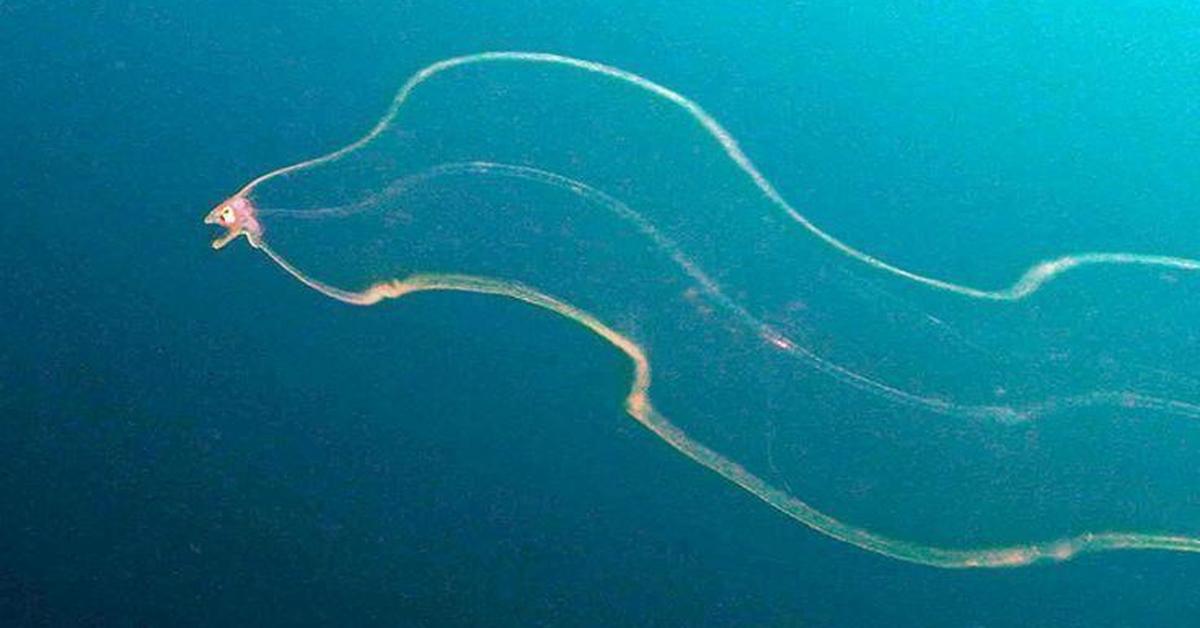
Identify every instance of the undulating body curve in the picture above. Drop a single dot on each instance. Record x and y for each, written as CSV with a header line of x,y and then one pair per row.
x,y
677,250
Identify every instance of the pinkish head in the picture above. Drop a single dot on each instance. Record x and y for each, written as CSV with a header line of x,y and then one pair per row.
x,y
238,217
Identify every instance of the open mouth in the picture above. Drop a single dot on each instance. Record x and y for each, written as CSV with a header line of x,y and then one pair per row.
x,y
224,217
237,216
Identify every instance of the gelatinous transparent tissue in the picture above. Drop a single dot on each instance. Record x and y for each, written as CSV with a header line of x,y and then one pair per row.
x,y
892,408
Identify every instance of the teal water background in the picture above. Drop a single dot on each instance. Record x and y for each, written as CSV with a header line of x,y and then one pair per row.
x,y
196,439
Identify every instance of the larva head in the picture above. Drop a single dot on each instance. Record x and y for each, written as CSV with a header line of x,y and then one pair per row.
x,y
237,216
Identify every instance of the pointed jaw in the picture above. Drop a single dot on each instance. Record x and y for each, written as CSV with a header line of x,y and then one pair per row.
x,y
237,216
222,215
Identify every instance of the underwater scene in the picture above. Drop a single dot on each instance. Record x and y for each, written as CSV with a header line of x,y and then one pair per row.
x,y
827,314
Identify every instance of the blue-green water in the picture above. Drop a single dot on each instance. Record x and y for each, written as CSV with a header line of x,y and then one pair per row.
x,y
195,439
